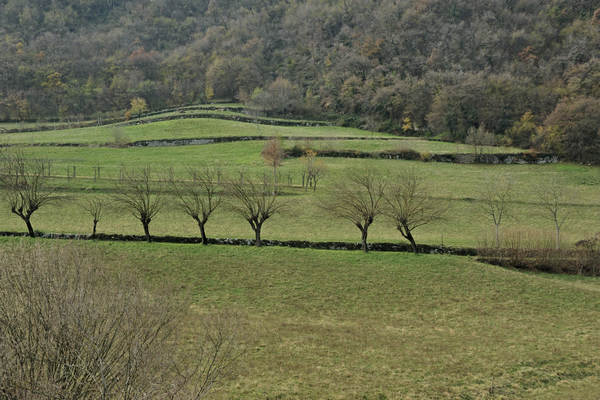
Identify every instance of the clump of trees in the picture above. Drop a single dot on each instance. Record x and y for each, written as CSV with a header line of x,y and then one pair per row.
x,y
71,330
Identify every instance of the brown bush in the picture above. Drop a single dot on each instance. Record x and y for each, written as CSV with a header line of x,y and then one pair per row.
x,y
535,250
70,330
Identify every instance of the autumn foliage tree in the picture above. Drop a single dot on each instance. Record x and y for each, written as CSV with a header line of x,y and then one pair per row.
x,y
273,155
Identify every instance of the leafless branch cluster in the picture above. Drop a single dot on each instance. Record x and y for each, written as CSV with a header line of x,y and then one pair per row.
x,y
410,205
95,208
255,202
552,197
313,170
141,195
358,199
495,201
199,196
24,183
70,330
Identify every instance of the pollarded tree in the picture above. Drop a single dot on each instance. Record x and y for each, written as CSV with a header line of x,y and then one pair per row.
x,y
24,182
141,196
255,202
410,205
199,196
358,199
95,208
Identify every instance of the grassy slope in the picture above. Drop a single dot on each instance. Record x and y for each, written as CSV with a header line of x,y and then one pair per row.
x,y
340,325
189,128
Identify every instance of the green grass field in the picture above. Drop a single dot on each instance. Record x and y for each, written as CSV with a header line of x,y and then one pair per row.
x,y
348,325
341,324
460,185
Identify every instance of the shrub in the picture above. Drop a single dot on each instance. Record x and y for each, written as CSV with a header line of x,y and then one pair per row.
x,y
71,330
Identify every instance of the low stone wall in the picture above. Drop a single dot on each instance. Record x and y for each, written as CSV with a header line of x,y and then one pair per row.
x,y
300,244
458,158
183,114
237,118
230,139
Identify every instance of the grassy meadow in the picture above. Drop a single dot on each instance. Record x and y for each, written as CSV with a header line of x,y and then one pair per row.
x,y
342,324
461,185
348,325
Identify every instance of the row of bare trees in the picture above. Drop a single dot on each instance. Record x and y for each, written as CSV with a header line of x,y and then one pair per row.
x,y
406,201
361,198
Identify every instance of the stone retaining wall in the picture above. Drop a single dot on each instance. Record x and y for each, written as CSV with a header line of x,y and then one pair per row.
x,y
300,244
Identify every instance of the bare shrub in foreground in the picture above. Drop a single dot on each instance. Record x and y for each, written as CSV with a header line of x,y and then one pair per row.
x,y
70,330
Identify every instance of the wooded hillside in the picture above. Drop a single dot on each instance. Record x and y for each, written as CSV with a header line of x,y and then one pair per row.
x,y
526,70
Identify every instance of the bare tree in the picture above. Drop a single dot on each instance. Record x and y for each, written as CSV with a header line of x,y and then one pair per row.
x,y
198,197
495,199
358,199
254,202
410,205
313,170
95,208
24,182
479,138
70,330
273,155
141,196
551,198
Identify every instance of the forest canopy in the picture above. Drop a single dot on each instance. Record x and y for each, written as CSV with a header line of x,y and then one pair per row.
x,y
519,68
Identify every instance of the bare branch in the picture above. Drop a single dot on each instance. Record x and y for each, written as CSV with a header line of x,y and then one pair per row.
x,y
358,199
141,196
254,202
410,205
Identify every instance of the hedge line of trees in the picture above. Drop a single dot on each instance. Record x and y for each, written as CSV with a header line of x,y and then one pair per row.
x,y
527,71
360,197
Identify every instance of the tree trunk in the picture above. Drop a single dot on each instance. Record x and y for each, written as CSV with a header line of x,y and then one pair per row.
x,y
29,227
94,229
202,232
411,239
258,242
497,236
147,231
408,236
557,237
365,246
